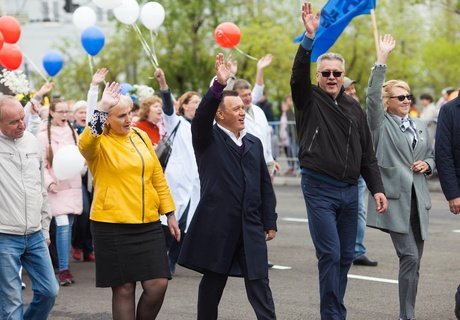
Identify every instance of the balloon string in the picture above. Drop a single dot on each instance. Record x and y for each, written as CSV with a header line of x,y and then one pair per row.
x,y
145,46
245,54
91,64
147,49
36,68
152,45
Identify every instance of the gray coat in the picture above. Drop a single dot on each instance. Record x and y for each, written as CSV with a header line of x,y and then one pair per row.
x,y
395,155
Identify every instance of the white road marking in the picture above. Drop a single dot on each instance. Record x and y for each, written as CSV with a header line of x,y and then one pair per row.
x,y
353,276
295,220
456,231
278,267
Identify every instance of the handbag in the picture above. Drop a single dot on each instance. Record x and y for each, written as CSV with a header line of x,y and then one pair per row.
x,y
164,147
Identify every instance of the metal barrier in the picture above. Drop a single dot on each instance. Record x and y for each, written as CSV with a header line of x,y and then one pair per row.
x,y
285,147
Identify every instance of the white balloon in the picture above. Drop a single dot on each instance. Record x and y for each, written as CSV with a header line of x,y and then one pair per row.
x,y
84,17
152,15
107,4
68,162
128,12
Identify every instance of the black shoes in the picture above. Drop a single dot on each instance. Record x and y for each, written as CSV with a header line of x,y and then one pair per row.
x,y
364,261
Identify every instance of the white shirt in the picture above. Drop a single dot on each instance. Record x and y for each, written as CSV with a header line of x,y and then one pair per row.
x,y
238,141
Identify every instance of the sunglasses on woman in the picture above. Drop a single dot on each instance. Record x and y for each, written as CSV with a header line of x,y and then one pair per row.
x,y
402,97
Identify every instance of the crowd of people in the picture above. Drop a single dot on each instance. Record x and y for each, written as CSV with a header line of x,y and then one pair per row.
x,y
212,207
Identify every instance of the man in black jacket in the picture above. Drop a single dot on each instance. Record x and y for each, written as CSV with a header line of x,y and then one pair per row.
x,y
335,148
236,213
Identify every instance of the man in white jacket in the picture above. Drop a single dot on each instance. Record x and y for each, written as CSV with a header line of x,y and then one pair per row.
x,y
24,219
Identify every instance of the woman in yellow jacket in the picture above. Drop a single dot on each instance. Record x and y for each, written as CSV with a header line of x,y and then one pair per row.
x,y
130,193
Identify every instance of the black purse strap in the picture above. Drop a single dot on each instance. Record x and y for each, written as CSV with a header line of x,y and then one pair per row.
x,y
173,133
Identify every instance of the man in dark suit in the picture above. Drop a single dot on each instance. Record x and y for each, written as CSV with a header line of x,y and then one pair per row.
x,y
447,157
236,213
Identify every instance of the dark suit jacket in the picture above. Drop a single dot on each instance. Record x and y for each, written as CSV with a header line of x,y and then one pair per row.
x,y
237,202
447,148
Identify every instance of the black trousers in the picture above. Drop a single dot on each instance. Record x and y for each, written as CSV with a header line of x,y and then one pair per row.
x,y
212,287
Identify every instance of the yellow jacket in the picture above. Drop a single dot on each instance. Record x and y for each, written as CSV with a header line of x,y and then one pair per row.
x,y
129,184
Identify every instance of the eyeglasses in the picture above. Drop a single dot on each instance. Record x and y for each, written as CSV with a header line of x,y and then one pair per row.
x,y
62,111
402,97
327,74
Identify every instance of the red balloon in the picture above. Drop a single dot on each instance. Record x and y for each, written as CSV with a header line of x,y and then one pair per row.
x,y
10,56
10,28
1,40
227,35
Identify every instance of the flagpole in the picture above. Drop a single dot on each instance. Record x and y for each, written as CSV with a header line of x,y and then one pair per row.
x,y
375,31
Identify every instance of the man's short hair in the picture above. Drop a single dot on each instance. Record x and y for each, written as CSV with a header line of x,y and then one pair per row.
x,y
241,84
227,93
330,56
4,100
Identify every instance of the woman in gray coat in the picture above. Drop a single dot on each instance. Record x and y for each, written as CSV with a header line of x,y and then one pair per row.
x,y
405,159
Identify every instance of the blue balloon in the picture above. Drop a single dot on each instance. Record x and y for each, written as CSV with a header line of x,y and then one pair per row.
x,y
92,39
126,88
53,62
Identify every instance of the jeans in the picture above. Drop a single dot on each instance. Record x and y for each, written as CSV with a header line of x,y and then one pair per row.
x,y
360,249
30,252
63,239
332,219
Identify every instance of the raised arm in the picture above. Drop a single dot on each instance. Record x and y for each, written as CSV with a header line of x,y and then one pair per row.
x,y
168,107
93,92
32,108
204,117
300,78
258,90
374,102
89,143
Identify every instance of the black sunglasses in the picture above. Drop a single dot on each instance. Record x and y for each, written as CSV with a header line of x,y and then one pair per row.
x,y
327,74
402,97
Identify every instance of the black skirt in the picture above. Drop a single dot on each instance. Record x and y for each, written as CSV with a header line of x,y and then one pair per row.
x,y
129,253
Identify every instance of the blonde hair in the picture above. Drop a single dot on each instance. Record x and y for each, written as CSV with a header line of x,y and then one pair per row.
x,y
146,104
388,89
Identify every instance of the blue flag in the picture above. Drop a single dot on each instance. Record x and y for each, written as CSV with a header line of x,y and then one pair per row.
x,y
335,16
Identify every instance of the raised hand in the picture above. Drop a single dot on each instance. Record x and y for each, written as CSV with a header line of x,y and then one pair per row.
x,y
264,61
110,96
223,72
37,98
310,21
45,89
99,76
161,78
386,44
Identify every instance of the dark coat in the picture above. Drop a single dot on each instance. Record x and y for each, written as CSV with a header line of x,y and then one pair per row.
x,y
237,200
447,148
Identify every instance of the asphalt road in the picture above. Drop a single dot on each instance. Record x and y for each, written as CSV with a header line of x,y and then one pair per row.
x,y
372,291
